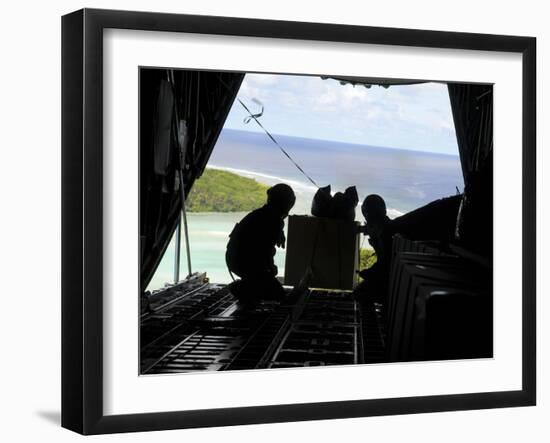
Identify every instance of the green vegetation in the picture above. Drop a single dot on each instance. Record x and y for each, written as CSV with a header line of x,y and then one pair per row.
x,y
367,258
222,191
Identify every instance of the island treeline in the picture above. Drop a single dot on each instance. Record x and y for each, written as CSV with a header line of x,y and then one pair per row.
x,y
223,191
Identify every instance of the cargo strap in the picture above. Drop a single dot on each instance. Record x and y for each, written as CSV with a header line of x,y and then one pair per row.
x,y
255,117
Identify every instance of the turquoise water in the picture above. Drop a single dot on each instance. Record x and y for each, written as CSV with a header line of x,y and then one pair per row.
x,y
406,180
208,234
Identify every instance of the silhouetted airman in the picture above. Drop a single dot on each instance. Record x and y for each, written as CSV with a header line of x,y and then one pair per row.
x,y
251,247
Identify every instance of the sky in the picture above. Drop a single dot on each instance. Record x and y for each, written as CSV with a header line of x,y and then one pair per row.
x,y
415,117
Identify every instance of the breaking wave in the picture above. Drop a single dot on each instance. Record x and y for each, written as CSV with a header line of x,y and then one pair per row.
x,y
268,179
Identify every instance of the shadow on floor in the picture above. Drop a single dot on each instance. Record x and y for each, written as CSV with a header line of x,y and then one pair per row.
x,y
54,417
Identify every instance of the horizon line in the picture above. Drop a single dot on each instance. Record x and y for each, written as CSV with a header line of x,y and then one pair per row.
x,y
393,148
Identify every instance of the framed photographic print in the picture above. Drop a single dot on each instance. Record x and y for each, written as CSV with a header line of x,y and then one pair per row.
x,y
270,221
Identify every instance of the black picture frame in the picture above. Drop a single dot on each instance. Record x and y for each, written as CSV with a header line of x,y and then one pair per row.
x,y
82,218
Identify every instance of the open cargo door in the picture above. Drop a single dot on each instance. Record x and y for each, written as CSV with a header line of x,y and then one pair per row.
x,y
181,116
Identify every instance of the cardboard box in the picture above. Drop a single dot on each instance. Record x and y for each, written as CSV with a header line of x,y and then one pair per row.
x,y
331,247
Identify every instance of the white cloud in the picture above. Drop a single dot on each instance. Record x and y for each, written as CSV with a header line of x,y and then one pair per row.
x,y
312,107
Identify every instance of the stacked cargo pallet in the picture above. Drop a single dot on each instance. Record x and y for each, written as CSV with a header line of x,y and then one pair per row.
x,y
440,305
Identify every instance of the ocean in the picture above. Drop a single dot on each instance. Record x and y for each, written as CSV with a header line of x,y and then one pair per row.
x,y
405,179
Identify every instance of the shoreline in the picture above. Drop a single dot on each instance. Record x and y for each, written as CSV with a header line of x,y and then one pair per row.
x,y
301,189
